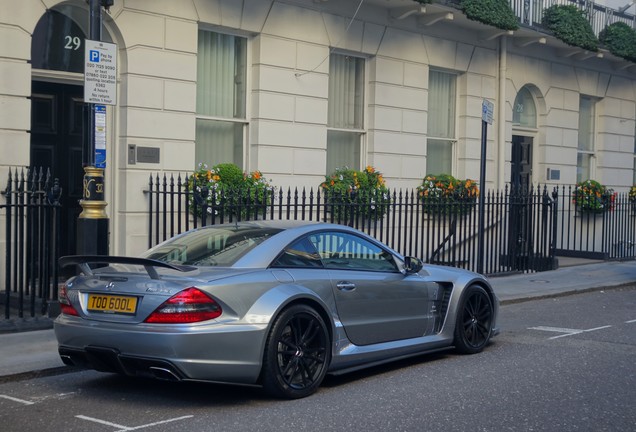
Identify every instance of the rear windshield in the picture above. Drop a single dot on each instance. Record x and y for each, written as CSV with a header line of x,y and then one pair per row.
x,y
210,246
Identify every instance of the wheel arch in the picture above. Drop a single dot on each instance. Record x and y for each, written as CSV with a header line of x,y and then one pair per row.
x,y
317,306
304,297
487,288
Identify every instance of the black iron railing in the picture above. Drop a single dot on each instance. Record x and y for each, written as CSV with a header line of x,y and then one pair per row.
x,y
31,234
608,233
525,231
520,227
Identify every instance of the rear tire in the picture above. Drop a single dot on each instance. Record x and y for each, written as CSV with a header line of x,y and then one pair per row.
x,y
473,327
297,353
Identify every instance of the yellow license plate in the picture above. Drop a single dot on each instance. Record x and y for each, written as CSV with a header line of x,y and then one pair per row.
x,y
112,304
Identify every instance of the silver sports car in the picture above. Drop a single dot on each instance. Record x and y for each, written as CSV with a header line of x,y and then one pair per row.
x,y
270,303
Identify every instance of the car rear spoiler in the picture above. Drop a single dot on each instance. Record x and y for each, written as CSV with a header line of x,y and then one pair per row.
x,y
83,260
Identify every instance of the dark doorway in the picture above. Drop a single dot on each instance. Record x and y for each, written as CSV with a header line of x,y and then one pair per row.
x,y
521,163
56,143
520,223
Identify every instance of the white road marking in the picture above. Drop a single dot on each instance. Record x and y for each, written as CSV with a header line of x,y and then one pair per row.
x,y
630,322
555,329
567,331
104,422
22,401
158,423
122,428
582,331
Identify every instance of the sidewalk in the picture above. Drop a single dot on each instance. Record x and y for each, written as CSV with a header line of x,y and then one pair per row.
x,y
32,353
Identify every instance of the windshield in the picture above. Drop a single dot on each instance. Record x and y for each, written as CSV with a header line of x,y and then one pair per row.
x,y
210,246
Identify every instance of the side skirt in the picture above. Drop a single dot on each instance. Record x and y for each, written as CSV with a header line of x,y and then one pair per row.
x,y
387,360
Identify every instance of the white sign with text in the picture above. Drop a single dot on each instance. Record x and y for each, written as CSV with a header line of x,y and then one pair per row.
x,y
100,73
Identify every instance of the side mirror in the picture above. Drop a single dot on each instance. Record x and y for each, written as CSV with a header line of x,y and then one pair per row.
x,y
412,265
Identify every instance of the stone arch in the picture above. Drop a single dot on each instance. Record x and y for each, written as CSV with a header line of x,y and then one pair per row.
x,y
528,121
59,33
528,106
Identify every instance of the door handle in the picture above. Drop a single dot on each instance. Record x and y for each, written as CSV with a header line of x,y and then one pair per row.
x,y
346,286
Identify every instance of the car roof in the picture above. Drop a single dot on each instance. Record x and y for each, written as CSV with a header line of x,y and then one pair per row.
x,y
263,254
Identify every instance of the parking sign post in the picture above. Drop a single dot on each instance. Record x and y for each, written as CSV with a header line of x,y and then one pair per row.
x,y
100,82
487,110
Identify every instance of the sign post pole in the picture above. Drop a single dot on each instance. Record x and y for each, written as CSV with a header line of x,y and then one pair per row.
x,y
100,80
487,110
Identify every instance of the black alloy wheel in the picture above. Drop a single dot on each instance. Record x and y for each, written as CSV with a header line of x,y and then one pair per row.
x,y
474,321
297,353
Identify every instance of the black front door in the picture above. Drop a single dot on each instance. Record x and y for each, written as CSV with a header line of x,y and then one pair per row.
x,y
56,143
521,162
521,196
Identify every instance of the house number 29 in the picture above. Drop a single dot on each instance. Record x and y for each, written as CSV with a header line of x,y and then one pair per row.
x,y
72,43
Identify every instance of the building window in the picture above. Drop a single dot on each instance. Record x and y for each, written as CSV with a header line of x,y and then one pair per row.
x,y
442,90
585,155
634,169
345,119
221,95
524,112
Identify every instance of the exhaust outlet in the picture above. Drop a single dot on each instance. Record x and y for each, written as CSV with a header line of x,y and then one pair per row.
x,y
163,374
67,360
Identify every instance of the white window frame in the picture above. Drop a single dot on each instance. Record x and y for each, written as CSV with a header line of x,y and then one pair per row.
x,y
361,132
590,153
451,141
634,166
245,122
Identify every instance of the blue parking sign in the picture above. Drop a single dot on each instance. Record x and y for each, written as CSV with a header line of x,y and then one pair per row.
x,y
94,56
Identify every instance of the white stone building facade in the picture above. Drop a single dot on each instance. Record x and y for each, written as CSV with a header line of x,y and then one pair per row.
x,y
295,87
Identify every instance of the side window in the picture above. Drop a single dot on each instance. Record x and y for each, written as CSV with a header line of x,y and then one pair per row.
x,y
299,254
339,250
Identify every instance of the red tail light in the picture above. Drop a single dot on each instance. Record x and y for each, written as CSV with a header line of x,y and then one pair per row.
x,y
65,304
188,306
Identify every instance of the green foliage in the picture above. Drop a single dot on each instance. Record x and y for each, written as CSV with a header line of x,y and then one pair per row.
x,y
444,193
424,1
632,194
620,39
590,196
356,193
230,177
496,13
225,190
570,24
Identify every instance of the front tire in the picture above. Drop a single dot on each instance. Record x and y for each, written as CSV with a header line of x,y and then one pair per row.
x,y
474,321
297,353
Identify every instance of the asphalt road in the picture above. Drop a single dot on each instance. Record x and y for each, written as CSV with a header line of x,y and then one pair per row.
x,y
564,364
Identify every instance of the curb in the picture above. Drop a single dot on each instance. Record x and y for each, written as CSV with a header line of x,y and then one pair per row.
x,y
22,376
631,285
17,325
